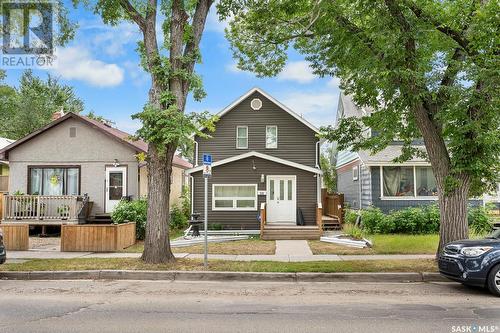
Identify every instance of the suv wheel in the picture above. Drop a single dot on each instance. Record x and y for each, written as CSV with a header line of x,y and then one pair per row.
x,y
494,280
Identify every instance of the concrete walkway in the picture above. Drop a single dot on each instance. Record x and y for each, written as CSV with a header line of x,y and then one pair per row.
x,y
293,247
16,256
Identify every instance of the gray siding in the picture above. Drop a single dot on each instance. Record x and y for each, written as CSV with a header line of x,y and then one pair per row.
x,y
366,186
241,172
349,187
296,141
90,149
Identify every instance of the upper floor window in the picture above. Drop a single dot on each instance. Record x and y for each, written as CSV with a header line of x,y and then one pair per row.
x,y
272,136
241,137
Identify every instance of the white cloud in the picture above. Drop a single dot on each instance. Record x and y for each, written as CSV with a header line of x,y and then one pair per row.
x,y
76,63
334,82
113,39
298,71
317,107
213,23
233,68
136,73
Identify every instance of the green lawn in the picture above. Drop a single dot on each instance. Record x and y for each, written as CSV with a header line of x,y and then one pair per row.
x,y
384,244
219,265
243,247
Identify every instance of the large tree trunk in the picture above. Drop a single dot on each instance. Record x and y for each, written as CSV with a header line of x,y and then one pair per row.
x,y
452,202
157,242
453,210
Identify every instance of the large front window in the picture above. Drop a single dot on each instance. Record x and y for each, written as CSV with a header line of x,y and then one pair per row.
x,y
54,180
408,181
234,197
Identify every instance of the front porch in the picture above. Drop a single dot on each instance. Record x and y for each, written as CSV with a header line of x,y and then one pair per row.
x,y
45,209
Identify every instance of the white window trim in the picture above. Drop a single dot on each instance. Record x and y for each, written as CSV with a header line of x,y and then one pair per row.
x,y
234,199
275,147
414,197
238,127
355,173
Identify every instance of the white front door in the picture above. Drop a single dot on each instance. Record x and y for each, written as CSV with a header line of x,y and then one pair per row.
x,y
116,186
281,199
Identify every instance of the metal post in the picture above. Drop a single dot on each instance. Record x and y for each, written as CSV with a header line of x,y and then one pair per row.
x,y
206,223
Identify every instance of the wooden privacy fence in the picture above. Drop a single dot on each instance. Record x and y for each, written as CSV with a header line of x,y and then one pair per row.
x,y
333,205
97,237
16,236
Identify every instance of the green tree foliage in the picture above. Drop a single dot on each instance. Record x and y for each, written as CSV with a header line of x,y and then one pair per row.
x,y
428,69
30,106
329,173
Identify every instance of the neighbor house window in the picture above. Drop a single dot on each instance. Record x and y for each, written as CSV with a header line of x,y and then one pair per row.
x,y
398,181
271,136
54,180
425,181
355,173
234,197
242,137
408,181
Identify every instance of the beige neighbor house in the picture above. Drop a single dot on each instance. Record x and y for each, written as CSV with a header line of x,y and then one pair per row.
x,y
4,167
75,168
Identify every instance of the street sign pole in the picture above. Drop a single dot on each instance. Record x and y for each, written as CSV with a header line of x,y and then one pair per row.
x,y
207,172
206,223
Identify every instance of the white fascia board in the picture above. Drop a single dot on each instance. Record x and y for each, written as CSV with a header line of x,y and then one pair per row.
x,y
391,163
259,155
272,99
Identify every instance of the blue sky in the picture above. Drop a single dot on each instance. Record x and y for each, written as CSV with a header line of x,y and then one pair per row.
x,y
102,65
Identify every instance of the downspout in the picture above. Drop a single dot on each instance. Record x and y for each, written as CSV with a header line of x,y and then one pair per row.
x,y
317,154
195,153
192,194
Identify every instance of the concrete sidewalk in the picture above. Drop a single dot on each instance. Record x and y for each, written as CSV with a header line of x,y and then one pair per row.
x,y
15,256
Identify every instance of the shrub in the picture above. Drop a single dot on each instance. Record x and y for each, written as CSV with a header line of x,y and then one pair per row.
x,y
215,226
350,216
371,219
479,221
186,201
178,220
353,231
132,211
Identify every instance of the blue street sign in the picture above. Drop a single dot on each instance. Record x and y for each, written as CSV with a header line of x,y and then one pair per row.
x,y
207,159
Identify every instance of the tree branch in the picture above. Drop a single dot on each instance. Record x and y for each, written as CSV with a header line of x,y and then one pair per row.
x,y
134,14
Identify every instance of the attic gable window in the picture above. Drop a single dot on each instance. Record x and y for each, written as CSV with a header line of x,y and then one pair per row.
x,y
256,104
242,137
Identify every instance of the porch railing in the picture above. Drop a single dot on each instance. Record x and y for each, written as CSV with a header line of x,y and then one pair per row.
x,y
41,207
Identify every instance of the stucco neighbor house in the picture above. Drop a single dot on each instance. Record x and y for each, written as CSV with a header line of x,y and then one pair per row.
x,y
73,156
265,171
4,167
368,179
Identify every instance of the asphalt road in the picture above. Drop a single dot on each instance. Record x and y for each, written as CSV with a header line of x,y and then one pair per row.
x,y
139,306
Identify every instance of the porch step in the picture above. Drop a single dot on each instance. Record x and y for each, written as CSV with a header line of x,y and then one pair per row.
x,y
331,223
100,219
280,232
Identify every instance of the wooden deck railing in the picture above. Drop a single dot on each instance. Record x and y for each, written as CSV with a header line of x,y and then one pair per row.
x,y
41,208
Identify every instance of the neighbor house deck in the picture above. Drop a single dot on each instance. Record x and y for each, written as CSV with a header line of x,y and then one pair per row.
x,y
45,209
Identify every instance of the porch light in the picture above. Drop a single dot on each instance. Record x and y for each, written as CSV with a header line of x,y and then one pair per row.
x,y
262,178
115,164
253,165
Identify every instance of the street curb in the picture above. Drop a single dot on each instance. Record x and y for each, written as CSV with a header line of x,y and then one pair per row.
x,y
223,276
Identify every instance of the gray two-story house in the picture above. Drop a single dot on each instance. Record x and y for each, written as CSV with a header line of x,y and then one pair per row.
x,y
376,180
265,167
